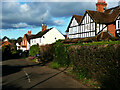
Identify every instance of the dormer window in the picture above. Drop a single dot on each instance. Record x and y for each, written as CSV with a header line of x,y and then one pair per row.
x,y
111,11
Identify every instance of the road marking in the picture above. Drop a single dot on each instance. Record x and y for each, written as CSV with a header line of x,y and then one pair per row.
x,y
27,76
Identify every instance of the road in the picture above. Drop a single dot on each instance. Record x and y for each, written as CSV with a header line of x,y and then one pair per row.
x,y
23,73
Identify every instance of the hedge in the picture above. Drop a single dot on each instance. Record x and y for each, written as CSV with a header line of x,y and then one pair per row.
x,y
61,54
100,62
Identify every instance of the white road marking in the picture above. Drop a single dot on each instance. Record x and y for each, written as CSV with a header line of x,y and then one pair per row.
x,y
27,76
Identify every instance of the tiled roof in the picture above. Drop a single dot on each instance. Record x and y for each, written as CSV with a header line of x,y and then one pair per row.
x,y
40,34
106,17
78,18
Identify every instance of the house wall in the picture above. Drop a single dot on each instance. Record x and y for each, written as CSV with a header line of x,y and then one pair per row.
x,y
5,40
118,26
74,23
48,38
85,29
51,37
35,41
112,29
100,27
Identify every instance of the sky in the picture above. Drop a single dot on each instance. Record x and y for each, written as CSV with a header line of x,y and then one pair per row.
x,y
20,16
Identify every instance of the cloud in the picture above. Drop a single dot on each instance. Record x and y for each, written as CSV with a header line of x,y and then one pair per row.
x,y
59,22
20,25
15,14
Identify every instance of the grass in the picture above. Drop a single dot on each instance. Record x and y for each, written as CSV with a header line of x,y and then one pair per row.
x,y
54,65
97,43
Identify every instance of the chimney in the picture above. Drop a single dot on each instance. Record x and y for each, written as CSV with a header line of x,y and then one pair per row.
x,y
44,27
29,32
101,5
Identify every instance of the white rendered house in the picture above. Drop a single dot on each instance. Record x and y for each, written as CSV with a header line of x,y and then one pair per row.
x,y
48,36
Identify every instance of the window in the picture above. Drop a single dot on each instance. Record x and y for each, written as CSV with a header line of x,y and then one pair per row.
x,y
40,40
111,11
118,24
74,29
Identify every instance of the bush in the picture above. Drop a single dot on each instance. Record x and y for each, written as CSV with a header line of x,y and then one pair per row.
x,y
61,54
100,62
46,52
34,49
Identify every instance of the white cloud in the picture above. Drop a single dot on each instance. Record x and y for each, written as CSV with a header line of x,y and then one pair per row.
x,y
20,25
24,7
59,22
57,0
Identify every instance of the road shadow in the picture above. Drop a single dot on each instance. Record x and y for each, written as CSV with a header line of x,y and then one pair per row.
x,y
10,87
7,70
31,88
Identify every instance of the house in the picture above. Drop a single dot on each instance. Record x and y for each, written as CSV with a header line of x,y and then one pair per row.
x,y
24,44
5,39
46,36
92,23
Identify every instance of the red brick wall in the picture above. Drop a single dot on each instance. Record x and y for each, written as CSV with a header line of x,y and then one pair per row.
x,y
111,29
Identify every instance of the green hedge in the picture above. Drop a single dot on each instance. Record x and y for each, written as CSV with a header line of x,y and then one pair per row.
x,y
97,62
61,54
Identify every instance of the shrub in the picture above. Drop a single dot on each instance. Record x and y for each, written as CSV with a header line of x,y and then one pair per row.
x,y
6,52
46,52
100,62
34,49
61,54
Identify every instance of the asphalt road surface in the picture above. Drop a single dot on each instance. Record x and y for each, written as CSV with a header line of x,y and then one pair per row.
x,y
23,73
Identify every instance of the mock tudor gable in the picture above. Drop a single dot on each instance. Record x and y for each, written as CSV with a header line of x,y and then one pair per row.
x,y
94,22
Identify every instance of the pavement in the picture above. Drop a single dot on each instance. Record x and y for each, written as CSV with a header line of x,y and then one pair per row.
x,y
23,73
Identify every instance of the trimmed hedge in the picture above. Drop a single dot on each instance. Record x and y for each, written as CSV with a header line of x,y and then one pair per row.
x,y
61,54
97,62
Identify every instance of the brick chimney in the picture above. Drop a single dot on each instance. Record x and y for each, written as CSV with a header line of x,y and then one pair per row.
x,y
44,27
101,5
29,32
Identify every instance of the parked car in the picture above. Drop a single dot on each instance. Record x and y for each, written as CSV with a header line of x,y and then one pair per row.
x,y
24,53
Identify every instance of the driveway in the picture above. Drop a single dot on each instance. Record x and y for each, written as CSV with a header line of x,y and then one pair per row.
x,y
23,73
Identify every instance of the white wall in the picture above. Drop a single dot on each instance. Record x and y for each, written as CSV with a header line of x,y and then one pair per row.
x,y
48,38
74,23
84,27
5,40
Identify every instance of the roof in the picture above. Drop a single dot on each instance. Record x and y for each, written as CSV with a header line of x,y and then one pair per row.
x,y
106,17
6,43
5,38
29,37
40,34
78,18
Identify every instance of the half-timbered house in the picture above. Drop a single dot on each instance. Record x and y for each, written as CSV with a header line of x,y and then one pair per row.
x,y
92,23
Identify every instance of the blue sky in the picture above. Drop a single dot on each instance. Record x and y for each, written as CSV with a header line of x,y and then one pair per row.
x,y
20,17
